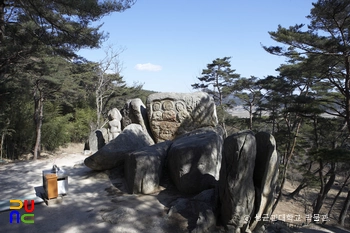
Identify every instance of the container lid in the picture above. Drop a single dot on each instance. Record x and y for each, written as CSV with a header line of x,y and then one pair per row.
x,y
50,176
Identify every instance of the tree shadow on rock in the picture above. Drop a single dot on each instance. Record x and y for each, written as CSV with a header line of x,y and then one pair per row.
x,y
201,115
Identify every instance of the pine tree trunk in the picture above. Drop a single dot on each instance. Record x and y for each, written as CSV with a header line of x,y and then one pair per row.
x,y
301,186
344,210
324,189
286,163
250,117
336,197
303,183
347,92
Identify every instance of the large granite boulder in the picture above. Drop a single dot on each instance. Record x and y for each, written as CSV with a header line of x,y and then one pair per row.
x,y
265,177
113,153
236,186
173,114
144,168
194,161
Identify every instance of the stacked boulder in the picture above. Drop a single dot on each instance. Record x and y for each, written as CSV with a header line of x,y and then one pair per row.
x,y
178,134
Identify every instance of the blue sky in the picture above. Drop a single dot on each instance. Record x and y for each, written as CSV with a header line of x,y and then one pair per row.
x,y
168,43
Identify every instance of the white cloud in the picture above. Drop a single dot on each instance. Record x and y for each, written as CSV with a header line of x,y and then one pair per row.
x,y
148,67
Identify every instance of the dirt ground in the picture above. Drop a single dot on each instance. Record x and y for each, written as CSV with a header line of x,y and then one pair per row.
x,y
298,210
97,201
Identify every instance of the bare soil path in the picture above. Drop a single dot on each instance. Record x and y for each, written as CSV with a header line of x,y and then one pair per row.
x,y
93,203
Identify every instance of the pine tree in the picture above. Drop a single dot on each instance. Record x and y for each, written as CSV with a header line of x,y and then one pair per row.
x,y
35,36
45,75
63,25
249,92
217,80
327,41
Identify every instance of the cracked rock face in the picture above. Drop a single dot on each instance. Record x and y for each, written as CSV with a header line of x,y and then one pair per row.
x,y
173,114
236,185
134,112
144,168
265,177
194,161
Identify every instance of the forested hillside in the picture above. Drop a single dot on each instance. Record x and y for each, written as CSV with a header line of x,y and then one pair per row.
x,y
48,94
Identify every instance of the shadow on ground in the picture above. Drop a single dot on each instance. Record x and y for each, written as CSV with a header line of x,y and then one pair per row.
x,y
95,202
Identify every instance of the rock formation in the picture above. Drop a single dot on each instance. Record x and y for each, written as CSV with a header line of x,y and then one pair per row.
x,y
135,111
265,177
235,177
236,186
144,167
113,153
114,118
194,161
98,139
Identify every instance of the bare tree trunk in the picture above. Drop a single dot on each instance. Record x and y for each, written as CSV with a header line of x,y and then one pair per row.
x,y
336,197
324,188
250,116
301,186
1,144
344,210
347,91
346,205
104,84
221,105
38,118
98,109
286,163
223,122
303,183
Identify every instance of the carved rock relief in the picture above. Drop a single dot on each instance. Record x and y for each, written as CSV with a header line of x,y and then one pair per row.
x,y
170,117
166,118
